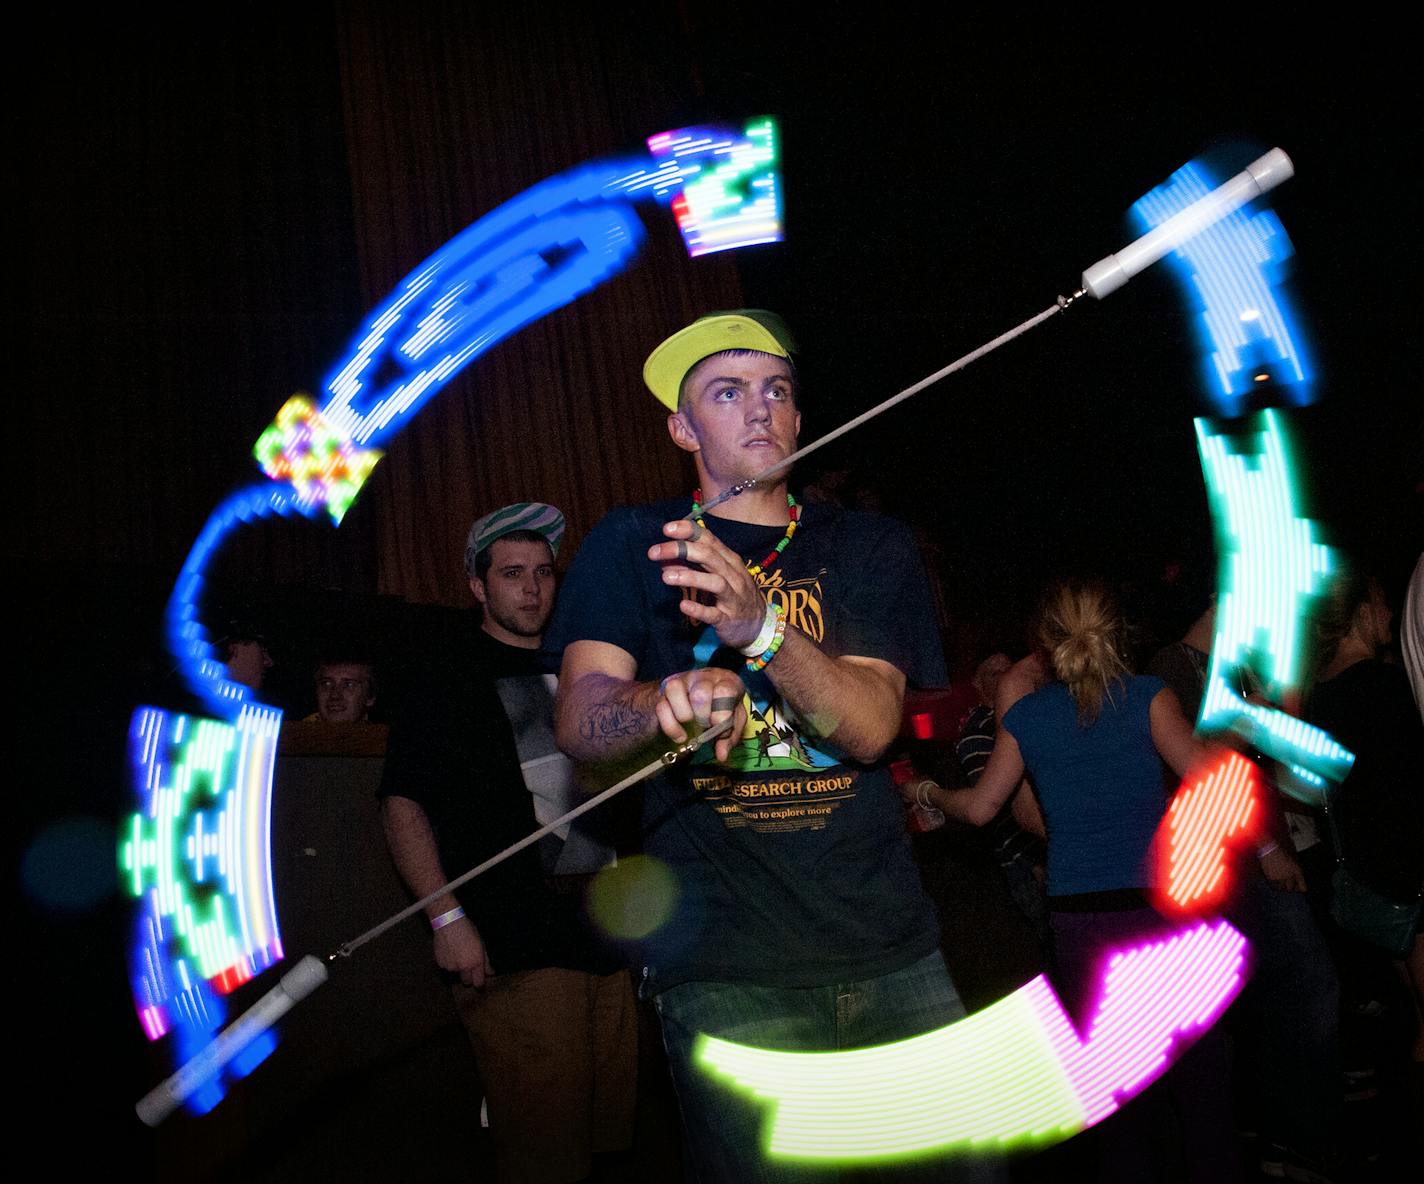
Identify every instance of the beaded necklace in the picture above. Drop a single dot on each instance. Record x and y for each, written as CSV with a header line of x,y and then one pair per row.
x,y
755,569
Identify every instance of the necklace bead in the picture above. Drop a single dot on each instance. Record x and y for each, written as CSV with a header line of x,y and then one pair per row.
x,y
794,516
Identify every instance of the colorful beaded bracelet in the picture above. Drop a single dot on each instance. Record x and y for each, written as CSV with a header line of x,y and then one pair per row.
x,y
759,662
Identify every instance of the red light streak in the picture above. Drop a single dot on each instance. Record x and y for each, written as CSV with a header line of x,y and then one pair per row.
x,y
230,979
1217,810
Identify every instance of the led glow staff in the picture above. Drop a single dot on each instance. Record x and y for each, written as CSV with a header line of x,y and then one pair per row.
x,y
1109,273
294,986
354,415
1233,271
1104,277
311,972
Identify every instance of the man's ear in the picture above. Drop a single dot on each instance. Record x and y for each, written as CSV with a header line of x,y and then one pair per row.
x,y
680,429
477,586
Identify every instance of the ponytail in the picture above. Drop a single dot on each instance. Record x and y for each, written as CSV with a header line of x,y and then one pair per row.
x,y
1082,631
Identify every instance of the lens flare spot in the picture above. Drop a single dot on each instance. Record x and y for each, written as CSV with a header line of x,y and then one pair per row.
x,y
68,867
634,897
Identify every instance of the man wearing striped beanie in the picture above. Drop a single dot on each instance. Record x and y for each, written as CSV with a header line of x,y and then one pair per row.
x,y
548,1007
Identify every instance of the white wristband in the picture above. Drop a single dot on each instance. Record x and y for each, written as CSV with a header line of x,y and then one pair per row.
x,y
756,648
445,918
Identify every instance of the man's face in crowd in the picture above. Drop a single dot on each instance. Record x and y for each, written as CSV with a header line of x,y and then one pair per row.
x,y
343,692
518,590
248,662
738,414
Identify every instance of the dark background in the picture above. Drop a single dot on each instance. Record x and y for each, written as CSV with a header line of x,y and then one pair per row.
x,y
209,211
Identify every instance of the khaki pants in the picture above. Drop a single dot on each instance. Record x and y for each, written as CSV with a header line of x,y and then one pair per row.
x,y
557,1052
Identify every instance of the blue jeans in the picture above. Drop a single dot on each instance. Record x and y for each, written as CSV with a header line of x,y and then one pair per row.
x,y
723,1130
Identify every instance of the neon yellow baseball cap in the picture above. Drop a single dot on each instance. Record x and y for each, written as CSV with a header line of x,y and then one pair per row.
x,y
742,328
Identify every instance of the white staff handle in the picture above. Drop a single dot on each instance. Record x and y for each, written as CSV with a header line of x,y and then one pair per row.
x,y
1110,273
291,989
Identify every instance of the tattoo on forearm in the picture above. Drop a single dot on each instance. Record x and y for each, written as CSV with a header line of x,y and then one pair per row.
x,y
606,723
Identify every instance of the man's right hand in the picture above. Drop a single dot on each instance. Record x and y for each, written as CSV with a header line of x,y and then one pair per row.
x,y
705,697
460,950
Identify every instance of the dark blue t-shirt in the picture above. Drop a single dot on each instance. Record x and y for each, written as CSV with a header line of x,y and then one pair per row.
x,y
1100,785
792,864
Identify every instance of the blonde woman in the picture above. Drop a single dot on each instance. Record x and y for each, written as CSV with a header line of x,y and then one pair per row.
x,y
1093,741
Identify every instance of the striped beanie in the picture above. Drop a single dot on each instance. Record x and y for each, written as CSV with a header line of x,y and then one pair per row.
x,y
535,516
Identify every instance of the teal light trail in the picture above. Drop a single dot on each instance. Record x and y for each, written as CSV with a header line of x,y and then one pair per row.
x,y
1273,571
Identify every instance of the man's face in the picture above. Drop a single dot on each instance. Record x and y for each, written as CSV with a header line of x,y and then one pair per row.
x,y
518,591
738,416
248,662
343,692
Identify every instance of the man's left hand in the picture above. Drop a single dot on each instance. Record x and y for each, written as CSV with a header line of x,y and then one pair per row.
x,y
737,607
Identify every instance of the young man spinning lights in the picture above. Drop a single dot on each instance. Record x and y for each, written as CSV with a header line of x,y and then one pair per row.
x,y
799,921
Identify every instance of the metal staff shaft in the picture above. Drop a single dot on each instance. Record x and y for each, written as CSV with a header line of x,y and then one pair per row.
x,y
1099,280
973,355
